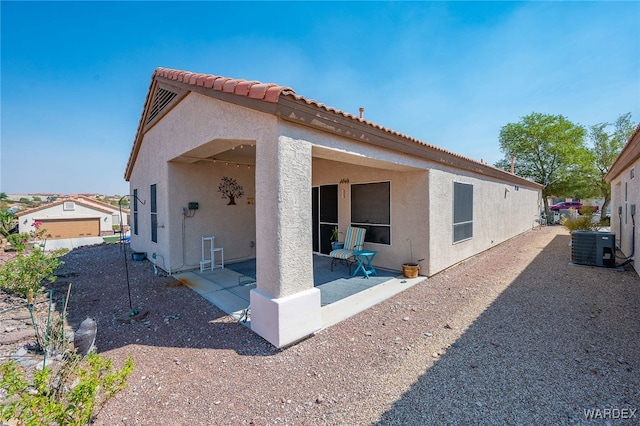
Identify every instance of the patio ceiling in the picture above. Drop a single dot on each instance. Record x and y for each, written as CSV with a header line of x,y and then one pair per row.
x,y
243,152
224,150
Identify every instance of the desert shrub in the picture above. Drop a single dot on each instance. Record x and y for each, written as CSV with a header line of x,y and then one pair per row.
x,y
582,222
19,241
28,270
72,394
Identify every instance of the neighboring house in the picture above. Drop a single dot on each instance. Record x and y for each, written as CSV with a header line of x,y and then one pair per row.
x,y
269,167
74,217
625,195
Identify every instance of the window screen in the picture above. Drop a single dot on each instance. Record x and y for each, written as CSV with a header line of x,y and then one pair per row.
x,y
135,211
154,214
462,211
371,209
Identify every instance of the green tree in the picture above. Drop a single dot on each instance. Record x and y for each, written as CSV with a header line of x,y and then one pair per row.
x,y
605,149
549,150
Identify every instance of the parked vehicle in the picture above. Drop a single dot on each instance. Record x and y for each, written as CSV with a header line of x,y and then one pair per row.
x,y
565,205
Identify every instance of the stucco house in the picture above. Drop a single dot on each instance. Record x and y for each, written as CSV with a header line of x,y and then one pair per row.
x,y
74,217
271,173
625,195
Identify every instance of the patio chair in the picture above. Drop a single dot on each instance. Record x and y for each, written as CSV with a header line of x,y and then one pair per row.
x,y
353,241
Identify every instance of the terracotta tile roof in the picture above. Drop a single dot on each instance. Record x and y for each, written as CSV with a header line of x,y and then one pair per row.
x,y
93,204
252,89
271,92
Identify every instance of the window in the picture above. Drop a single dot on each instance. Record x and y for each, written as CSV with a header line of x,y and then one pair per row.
x,y
135,211
154,214
371,209
68,206
462,211
115,221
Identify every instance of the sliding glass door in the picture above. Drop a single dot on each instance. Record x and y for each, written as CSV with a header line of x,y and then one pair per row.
x,y
325,216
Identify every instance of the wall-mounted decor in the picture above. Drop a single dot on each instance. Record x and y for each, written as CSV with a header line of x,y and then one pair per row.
x,y
229,188
251,200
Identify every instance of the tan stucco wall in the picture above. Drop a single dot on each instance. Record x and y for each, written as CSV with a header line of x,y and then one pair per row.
x,y
500,212
233,226
625,191
422,201
290,160
195,121
421,194
409,207
283,183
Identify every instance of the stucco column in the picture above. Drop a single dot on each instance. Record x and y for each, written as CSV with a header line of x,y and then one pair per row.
x,y
285,307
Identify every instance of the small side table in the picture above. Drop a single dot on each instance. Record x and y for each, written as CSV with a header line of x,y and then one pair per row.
x,y
210,261
365,262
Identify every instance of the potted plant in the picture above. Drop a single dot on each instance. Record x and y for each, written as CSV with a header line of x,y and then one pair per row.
x,y
411,269
335,236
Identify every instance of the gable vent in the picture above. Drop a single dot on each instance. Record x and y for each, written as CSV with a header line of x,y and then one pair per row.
x,y
162,99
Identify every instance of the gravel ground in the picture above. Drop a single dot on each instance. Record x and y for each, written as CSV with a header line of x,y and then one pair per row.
x,y
515,335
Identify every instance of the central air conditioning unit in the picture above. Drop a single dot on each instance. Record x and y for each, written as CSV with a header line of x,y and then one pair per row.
x,y
593,248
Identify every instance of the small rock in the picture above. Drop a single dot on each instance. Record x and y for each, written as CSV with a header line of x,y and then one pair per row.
x,y
435,354
428,334
21,316
496,344
479,404
320,399
17,336
448,326
405,319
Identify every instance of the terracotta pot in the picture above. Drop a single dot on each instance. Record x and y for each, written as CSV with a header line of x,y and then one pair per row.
x,y
410,270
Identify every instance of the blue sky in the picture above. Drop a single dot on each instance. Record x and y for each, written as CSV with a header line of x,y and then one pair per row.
x,y
74,75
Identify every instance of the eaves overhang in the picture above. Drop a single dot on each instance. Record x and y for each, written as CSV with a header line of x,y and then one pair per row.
x,y
251,94
284,103
296,109
630,154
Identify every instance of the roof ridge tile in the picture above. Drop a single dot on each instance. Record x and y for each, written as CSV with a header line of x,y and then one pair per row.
x,y
253,89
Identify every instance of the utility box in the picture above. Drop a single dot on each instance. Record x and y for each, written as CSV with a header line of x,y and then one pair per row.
x,y
593,248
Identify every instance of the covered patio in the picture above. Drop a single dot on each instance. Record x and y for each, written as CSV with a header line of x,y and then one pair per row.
x,y
342,295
